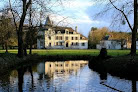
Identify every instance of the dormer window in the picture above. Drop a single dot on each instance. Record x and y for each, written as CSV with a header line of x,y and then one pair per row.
x,y
49,38
67,32
53,32
49,31
59,32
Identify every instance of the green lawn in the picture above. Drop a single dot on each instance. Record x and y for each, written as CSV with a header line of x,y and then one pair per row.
x,y
92,52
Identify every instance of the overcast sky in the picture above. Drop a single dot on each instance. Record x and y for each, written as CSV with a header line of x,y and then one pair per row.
x,y
80,13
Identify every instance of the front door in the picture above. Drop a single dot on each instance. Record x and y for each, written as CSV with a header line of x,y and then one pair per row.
x,y
67,44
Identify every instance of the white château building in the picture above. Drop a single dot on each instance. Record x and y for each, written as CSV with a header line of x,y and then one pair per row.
x,y
57,37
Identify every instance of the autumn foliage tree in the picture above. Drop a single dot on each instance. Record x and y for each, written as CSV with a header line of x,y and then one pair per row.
x,y
95,36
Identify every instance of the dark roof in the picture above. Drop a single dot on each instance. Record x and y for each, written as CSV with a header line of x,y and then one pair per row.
x,y
83,37
106,37
62,29
48,22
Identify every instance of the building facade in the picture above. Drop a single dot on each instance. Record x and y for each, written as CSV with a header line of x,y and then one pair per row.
x,y
56,37
109,44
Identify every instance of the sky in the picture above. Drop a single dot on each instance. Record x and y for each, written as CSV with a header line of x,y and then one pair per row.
x,y
80,13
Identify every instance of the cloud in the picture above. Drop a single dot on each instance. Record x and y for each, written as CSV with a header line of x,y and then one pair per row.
x,y
61,19
75,4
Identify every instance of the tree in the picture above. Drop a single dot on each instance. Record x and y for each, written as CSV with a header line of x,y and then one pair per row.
x,y
7,32
31,38
96,35
123,11
22,12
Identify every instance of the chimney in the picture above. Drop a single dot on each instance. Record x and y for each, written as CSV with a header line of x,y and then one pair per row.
x,y
76,28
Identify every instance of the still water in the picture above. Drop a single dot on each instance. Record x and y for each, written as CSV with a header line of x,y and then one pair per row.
x,y
61,76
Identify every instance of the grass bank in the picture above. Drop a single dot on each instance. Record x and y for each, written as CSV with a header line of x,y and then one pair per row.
x,y
10,61
90,52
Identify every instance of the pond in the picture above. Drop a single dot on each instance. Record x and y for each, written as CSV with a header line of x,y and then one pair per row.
x,y
62,76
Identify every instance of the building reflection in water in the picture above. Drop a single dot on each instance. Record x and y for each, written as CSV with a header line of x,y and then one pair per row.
x,y
59,68
32,78
61,76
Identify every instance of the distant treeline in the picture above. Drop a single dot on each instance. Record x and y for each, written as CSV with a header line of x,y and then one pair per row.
x,y
98,34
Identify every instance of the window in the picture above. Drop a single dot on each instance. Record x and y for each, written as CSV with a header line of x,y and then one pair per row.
x,y
59,32
60,43
67,32
49,38
77,43
53,32
67,38
80,37
60,37
66,65
76,38
41,43
70,32
56,37
49,44
57,43
83,44
72,43
72,64
72,38
49,32
56,70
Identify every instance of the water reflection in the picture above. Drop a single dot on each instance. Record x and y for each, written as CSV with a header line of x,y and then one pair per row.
x,y
104,73
45,75
63,68
63,76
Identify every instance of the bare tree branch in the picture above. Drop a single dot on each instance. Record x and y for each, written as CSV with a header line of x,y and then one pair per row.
x,y
123,14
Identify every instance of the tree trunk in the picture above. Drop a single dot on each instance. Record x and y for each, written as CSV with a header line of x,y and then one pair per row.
x,y
31,72
20,44
2,46
134,31
20,34
30,49
30,28
25,50
20,31
20,79
6,47
134,86
133,45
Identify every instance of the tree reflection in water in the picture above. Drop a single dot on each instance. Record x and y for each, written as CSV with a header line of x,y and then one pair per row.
x,y
65,76
21,72
100,68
